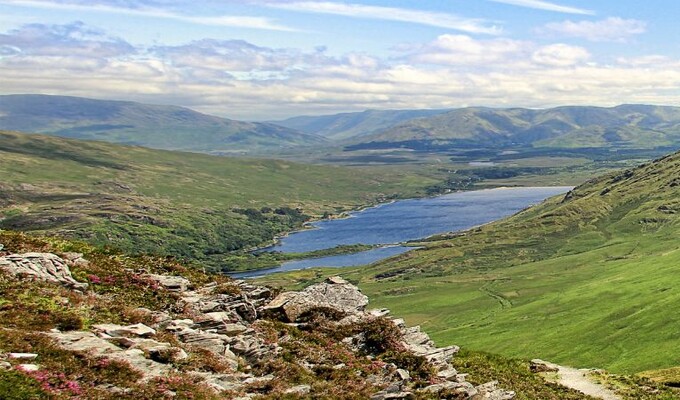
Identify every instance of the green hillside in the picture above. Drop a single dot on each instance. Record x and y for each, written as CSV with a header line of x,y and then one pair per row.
x,y
624,127
589,279
155,126
184,204
351,125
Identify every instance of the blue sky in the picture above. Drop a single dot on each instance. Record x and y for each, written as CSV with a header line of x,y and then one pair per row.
x,y
269,59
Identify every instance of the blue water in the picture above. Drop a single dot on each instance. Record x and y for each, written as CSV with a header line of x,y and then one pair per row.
x,y
345,260
402,221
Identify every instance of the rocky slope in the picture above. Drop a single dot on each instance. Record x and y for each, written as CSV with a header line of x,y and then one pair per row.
x,y
205,339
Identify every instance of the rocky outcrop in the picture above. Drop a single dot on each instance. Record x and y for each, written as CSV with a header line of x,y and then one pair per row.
x,y
335,294
46,267
243,328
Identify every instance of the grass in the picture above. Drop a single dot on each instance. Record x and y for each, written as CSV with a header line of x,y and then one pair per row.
x,y
183,204
587,280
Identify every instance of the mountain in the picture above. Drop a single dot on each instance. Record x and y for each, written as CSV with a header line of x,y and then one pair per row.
x,y
184,204
155,126
586,279
625,127
351,125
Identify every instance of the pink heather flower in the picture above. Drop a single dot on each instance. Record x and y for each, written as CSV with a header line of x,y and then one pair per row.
x,y
94,278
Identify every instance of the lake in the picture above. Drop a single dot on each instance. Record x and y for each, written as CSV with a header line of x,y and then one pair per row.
x,y
401,221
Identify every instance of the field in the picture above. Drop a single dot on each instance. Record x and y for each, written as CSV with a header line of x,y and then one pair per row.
x,y
588,280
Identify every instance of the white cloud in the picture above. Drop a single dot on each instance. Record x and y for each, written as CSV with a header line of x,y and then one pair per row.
x,y
613,29
544,5
244,81
464,50
560,55
151,9
442,20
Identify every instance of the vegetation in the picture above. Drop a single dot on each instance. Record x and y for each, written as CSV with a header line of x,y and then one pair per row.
x,y
249,261
181,204
156,126
588,279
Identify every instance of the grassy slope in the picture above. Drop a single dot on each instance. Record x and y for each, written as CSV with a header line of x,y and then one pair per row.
x,y
589,281
168,202
116,291
626,126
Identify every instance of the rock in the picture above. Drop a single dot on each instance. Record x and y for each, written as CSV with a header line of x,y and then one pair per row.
x,y
379,312
28,367
83,341
171,283
166,354
384,395
75,259
219,323
402,374
335,294
177,325
336,280
299,390
538,365
449,374
46,267
5,365
138,330
490,391
22,356
457,387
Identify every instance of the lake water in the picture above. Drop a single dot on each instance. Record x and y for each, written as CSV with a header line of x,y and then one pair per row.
x,y
401,221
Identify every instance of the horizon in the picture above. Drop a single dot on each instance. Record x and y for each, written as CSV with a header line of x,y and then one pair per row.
x,y
263,60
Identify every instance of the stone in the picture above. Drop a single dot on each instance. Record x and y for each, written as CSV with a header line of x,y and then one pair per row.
x,y
171,283
177,325
5,365
138,330
299,390
45,267
383,395
342,297
490,391
219,322
28,367
23,356
402,374
83,341
538,365
450,374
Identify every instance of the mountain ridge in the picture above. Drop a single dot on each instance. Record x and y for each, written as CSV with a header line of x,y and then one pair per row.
x,y
623,126
156,126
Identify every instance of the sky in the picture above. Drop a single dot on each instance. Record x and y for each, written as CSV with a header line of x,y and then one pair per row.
x,y
273,59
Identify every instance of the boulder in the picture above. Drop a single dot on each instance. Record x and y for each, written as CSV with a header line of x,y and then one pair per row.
x,y
335,294
46,267
490,391
219,322
136,330
171,283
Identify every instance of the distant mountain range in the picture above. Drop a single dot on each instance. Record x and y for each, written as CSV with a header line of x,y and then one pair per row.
x,y
354,125
625,126
177,128
155,126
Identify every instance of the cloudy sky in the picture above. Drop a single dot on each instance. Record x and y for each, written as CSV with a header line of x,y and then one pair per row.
x,y
270,59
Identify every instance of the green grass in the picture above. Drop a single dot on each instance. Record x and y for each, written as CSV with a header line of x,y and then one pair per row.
x,y
183,204
588,281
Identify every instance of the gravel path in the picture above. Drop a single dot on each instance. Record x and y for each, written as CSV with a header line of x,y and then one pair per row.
x,y
578,379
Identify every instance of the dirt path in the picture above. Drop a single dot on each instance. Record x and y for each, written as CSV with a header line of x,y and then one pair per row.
x,y
579,379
